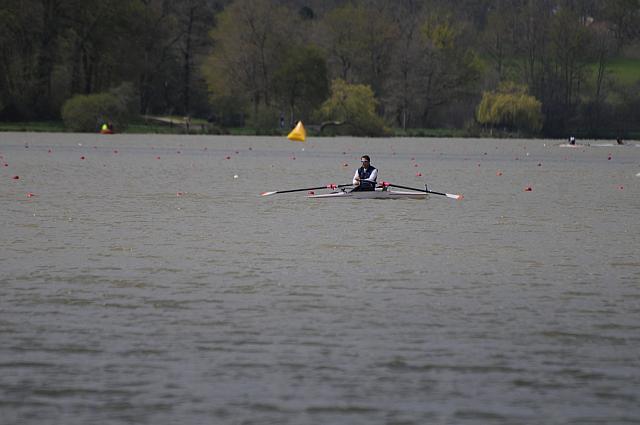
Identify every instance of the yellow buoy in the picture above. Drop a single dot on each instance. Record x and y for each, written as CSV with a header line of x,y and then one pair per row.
x,y
298,134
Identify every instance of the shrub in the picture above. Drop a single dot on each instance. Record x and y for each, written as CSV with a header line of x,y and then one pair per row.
x,y
355,105
512,108
86,113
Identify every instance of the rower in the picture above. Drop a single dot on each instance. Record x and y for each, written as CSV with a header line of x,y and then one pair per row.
x,y
365,176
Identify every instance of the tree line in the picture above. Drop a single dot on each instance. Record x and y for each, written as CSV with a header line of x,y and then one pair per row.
x,y
540,66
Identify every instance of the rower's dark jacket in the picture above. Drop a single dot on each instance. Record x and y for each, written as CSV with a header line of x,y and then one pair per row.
x,y
368,177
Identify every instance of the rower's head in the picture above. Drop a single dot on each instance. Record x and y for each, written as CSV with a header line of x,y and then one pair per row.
x,y
365,161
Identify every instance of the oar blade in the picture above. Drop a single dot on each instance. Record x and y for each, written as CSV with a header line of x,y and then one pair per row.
x,y
268,193
448,195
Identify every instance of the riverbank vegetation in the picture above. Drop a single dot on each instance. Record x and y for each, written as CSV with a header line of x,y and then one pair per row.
x,y
363,67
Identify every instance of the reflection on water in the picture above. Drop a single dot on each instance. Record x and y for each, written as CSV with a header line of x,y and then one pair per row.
x,y
145,284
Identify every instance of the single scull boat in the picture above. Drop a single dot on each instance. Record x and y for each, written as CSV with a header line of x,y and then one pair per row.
x,y
380,193
383,191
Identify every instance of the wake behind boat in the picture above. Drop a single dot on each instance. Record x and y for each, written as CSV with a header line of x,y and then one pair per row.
x,y
379,193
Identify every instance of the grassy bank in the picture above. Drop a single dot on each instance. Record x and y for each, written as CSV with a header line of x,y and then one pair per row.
x,y
626,71
35,126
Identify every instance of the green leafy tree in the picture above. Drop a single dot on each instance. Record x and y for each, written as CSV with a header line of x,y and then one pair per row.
x,y
250,41
403,74
449,70
156,31
570,39
510,107
301,81
342,32
85,113
623,19
353,105
497,37
360,37
25,68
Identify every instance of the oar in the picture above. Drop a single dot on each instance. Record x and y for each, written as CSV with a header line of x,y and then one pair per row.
x,y
328,186
448,195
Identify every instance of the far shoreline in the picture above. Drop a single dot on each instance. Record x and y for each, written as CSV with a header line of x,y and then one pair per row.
x,y
204,130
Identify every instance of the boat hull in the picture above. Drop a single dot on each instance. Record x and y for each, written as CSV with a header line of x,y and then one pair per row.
x,y
372,194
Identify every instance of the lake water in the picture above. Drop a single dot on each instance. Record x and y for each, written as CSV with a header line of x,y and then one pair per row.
x,y
144,284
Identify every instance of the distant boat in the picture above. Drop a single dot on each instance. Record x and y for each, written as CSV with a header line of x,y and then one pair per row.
x,y
106,129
